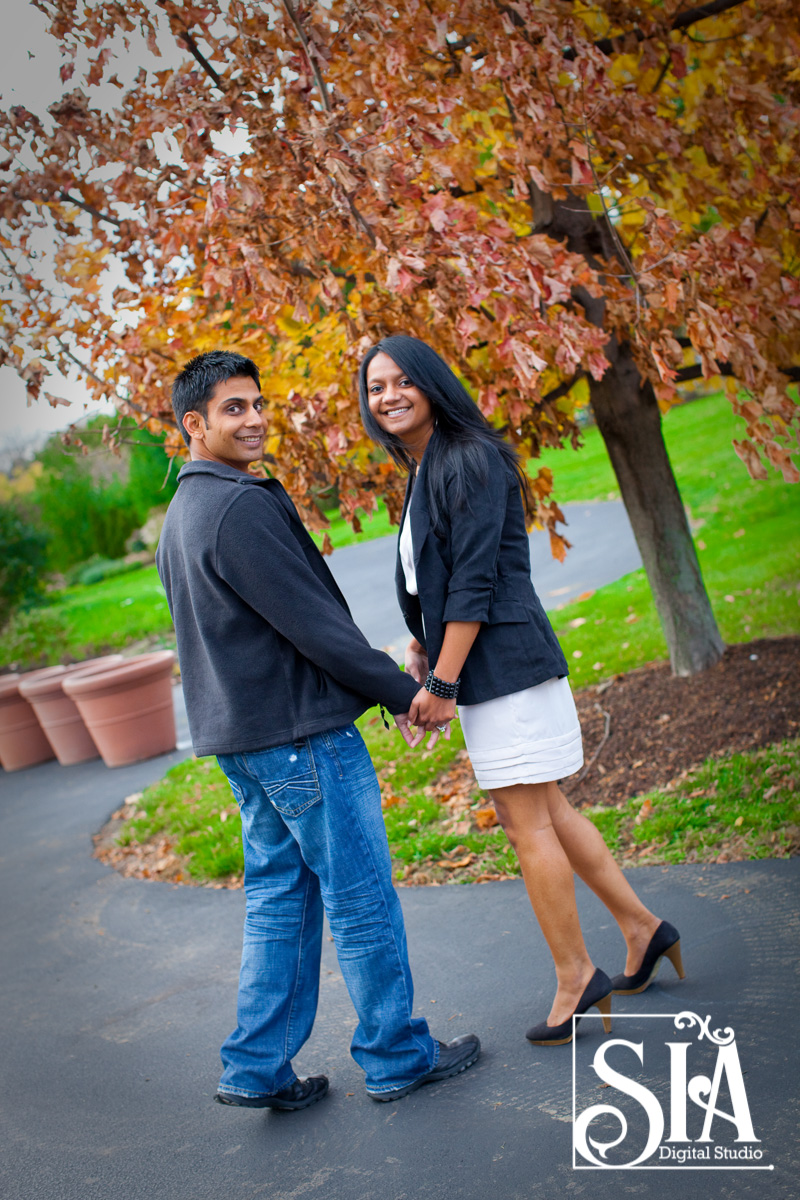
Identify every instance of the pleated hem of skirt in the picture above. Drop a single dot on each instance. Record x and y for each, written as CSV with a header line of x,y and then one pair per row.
x,y
526,765
537,773
563,744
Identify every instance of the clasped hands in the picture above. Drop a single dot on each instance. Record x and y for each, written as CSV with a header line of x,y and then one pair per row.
x,y
427,712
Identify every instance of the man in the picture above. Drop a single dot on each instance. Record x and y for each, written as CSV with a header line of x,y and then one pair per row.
x,y
274,674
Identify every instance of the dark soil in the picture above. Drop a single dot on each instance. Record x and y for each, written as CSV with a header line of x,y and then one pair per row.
x,y
659,725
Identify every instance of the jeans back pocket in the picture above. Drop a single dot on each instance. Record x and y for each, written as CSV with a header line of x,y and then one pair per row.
x,y
288,775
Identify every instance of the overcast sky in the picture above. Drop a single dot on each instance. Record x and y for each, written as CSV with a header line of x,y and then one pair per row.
x,y
29,66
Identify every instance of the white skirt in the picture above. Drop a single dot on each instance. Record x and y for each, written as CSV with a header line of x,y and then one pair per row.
x,y
532,736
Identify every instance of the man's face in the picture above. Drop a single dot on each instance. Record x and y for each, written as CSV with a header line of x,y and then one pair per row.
x,y
234,430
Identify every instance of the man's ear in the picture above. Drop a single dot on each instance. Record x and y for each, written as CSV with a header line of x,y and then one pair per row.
x,y
194,425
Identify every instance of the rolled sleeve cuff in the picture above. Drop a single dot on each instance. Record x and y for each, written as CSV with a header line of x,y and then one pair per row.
x,y
468,604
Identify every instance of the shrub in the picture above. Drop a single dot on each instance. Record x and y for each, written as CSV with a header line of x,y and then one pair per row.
x,y
98,569
33,639
23,556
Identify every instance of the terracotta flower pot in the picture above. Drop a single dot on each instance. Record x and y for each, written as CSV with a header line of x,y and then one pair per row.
x,y
58,715
22,740
127,707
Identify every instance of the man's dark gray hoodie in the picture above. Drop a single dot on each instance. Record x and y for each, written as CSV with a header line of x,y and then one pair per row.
x,y
268,650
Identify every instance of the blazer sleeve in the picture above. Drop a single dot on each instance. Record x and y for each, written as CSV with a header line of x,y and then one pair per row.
x,y
475,533
260,558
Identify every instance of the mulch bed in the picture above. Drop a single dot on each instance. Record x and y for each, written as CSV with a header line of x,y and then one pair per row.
x,y
659,725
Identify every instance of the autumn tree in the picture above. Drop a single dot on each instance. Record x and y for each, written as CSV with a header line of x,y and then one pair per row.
x,y
557,196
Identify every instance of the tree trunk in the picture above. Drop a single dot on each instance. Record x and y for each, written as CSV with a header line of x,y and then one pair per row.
x,y
629,420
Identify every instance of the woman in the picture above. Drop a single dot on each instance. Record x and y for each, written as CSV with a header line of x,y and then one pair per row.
x,y
481,634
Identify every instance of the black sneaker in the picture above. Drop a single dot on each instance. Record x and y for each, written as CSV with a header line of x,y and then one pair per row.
x,y
454,1057
295,1095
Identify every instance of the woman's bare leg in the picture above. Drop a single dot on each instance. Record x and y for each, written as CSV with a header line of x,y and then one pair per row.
x,y
520,810
524,813
593,862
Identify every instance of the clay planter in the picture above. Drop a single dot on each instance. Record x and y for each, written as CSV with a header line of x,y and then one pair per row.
x,y
127,707
58,715
22,741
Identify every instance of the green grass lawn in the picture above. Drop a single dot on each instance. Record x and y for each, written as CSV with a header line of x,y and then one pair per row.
x,y
83,621
746,532
739,805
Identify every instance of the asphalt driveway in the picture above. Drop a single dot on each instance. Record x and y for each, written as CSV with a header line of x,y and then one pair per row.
x,y
115,995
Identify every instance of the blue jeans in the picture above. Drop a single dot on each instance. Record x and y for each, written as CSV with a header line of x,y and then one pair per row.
x,y
313,835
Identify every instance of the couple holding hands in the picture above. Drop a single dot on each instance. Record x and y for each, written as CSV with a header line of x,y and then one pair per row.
x,y
275,672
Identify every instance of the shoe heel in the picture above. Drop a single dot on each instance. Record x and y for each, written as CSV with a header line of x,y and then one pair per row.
x,y
674,956
604,1008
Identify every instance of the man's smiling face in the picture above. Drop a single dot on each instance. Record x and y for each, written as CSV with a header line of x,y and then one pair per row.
x,y
234,430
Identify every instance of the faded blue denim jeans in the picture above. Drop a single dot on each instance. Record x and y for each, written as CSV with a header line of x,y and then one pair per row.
x,y
313,836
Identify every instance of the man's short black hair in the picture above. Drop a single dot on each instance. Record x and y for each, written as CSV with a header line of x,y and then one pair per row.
x,y
195,385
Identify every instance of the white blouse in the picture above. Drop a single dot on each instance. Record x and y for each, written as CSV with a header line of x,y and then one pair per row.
x,y
407,552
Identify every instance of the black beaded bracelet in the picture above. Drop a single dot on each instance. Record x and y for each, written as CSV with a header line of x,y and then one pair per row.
x,y
440,687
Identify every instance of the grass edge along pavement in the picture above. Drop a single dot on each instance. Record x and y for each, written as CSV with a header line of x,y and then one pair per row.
x,y
732,807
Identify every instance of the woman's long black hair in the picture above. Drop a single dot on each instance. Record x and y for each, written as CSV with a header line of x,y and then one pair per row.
x,y
458,449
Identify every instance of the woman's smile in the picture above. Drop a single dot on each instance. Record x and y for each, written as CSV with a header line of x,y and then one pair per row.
x,y
398,405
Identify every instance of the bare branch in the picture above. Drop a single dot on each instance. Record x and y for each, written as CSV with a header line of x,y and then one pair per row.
x,y
326,103
686,374
681,20
197,54
320,82
94,212
563,388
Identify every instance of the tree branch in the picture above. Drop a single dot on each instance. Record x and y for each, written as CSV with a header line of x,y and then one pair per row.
x,y
326,103
685,374
681,20
143,412
197,54
322,87
563,388
94,212
90,374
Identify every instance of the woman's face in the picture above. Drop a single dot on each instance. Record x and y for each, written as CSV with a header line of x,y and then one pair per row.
x,y
397,405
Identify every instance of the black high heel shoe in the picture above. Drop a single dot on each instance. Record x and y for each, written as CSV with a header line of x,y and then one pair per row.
x,y
665,943
596,994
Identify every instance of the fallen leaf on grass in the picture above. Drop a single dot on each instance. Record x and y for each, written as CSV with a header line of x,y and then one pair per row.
x,y
451,865
485,818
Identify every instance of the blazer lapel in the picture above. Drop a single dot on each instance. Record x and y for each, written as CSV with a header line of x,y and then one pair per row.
x,y
420,515
399,574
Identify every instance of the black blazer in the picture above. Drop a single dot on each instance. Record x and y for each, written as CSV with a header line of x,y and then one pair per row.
x,y
479,570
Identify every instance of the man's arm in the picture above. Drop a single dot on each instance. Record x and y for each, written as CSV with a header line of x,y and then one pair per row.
x,y
259,557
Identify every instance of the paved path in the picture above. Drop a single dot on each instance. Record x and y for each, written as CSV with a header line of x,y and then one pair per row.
x,y
603,550
115,995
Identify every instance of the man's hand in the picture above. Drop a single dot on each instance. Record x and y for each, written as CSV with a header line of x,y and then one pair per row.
x,y
416,661
404,725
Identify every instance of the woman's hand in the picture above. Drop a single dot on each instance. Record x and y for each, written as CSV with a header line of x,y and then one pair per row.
x,y
416,661
428,711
